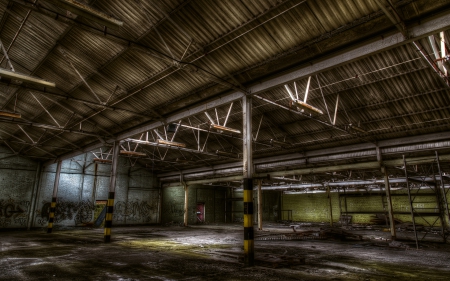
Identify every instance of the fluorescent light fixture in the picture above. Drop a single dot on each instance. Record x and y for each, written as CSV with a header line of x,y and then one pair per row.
x,y
88,12
279,143
226,154
103,160
359,129
222,128
133,153
179,160
10,114
4,73
307,108
171,143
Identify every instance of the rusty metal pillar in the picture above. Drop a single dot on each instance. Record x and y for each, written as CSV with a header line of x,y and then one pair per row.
x,y
249,253
34,195
389,203
51,217
186,204
112,190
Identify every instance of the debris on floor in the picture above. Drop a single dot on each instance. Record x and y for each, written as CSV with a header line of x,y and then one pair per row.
x,y
397,244
323,233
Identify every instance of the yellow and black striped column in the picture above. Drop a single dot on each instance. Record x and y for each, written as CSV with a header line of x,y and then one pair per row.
x,y
112,190
247,169
109,216
51,217
249,253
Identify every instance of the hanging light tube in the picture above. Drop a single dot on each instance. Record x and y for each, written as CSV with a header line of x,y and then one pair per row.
x,y
103,160
133,153
222,128
359,129
171,143
226,154
4,73
10,114
182,161
88,12
279,143
307,107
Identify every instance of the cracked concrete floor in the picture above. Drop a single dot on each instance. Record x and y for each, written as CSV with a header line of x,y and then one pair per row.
x,y
207,253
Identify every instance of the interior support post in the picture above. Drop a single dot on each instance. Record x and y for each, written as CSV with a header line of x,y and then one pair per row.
x,y
260,213
34,195
249,253
330,205
51,217
112,190
389,203
186,204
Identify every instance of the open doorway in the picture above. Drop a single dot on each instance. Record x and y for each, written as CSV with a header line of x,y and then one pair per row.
x,y
200,212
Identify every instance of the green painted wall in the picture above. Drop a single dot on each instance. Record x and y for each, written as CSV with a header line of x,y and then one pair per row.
x,y
213,197
315,207
310,207
270,206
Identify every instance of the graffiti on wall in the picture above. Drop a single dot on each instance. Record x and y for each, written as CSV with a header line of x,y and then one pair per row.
x,y
13,212
80,212
175,209
135,211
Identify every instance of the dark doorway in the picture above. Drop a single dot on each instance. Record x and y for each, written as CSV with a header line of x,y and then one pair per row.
x,y
200,212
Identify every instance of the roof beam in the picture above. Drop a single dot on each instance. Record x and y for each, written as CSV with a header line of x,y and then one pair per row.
x,y
426,28
321,152
375,165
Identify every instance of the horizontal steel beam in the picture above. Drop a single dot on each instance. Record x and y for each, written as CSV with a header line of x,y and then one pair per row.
x,y
374,165
88,12
45,126
171,147
67,97
426,28
439,23
321,152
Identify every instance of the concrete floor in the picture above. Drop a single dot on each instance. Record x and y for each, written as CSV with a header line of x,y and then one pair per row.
x,y
208,253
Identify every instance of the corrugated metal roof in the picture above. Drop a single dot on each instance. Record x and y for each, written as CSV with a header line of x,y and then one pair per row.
x,y
226,44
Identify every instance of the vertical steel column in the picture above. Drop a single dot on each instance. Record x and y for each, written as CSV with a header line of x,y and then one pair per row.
x,y
444,194
51,217
186,204
329,203
112,190
410,202
160,194
346,209
249,253
260,213
34,195
389,203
